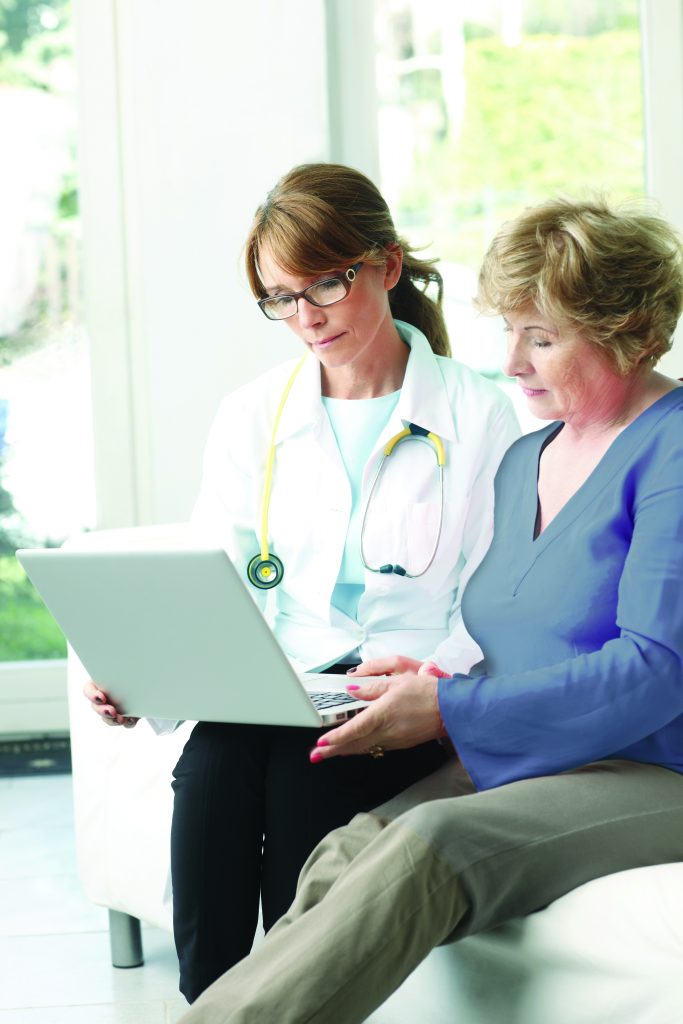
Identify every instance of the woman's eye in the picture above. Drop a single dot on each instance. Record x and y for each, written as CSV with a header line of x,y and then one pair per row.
x,y
540,343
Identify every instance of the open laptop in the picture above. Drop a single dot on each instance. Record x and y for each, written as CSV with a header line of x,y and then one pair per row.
x,y
173,633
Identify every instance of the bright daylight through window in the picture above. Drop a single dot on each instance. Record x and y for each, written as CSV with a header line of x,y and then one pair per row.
x,y
487,106
46,489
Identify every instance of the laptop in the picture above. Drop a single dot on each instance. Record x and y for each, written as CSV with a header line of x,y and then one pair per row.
x,y
174,633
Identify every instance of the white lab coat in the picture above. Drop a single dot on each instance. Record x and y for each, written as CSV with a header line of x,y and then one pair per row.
x,y
311,505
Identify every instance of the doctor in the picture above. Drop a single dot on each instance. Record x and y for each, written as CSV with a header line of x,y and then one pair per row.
x,y
353,488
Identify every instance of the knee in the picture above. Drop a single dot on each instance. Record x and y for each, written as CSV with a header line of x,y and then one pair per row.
x,y
432,822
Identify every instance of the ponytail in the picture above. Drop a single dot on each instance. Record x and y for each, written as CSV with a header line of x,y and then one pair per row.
x,y
409,300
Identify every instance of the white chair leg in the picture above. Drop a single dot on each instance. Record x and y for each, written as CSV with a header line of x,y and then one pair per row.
x,y
125,940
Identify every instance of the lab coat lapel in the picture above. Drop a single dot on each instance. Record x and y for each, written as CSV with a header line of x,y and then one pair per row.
x,y
304,412
424,399
303,409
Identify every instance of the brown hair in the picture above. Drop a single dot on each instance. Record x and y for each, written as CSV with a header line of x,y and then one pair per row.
x,y
321,216
614,275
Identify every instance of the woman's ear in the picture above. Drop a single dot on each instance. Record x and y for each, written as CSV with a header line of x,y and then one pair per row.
x,y
393,265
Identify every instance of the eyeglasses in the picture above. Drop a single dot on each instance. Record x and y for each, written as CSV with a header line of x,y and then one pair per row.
x,y
322,293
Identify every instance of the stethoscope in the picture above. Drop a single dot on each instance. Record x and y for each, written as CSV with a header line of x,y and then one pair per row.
x,y
265,570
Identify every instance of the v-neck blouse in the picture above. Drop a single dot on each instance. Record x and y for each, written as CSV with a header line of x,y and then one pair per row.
x,y
581,627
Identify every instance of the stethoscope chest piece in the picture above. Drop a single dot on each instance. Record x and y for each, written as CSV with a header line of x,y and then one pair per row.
x,y
265,573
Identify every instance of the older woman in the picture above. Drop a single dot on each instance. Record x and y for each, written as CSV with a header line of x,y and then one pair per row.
x,y
570,731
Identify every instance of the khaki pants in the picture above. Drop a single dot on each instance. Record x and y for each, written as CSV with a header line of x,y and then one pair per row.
x,y
436,863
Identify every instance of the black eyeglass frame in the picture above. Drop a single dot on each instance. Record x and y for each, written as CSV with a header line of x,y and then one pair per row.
x,y
346,281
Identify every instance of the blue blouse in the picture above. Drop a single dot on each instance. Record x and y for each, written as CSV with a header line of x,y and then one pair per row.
x,y
582,627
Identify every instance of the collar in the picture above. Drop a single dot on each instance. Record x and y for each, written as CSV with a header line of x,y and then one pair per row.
x,y
424,399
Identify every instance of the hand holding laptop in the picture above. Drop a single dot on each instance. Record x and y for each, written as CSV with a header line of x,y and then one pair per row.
x,y
105,708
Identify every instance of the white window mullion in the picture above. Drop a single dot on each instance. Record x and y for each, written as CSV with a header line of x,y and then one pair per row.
x,y
662,43
352,84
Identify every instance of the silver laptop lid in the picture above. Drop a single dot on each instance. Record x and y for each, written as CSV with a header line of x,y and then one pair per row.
x,y
170,633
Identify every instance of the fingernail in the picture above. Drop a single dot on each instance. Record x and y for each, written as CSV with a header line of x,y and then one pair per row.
x,y
323,742
350,671
315,756
352,686
109,713
99,699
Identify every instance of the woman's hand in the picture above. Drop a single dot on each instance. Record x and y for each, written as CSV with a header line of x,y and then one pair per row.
x,y
403,712
391,666
108,712
396,665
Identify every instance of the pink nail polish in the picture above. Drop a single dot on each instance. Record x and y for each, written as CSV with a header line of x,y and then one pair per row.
x,y
323,742
352,686
315,756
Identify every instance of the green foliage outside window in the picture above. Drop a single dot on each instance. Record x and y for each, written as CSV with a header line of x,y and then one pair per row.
x,y
556,113
27,630
34,36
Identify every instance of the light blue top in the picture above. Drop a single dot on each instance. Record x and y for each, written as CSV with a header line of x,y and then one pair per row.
x,y
581,627
356,424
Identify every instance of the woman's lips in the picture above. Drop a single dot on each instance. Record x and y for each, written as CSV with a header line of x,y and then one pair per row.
x,y
324,342
532,392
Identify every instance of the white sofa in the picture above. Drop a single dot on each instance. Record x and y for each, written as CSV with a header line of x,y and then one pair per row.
x,y
609,953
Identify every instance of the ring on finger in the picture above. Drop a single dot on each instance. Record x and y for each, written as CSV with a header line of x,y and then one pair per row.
x,y
376,751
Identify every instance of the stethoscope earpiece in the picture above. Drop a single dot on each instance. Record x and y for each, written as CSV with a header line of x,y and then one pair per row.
x,y
265,573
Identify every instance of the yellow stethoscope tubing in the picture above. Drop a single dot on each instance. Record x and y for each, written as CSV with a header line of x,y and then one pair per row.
x,y
436,444
268,479
407,432
411,431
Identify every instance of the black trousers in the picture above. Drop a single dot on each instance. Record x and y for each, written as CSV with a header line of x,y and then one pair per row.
x,y
248,809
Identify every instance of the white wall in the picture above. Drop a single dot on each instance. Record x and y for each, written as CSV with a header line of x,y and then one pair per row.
x,y
189,114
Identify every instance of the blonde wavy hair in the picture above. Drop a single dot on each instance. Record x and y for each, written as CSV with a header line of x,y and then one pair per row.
x,y
614,275
321,217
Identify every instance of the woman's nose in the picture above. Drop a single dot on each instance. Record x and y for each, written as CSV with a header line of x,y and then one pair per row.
x,y
515,361
309,315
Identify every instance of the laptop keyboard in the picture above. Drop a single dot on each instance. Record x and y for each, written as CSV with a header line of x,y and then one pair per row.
x,y
328,700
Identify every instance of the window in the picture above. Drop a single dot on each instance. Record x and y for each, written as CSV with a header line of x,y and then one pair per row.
x,y
487,106
46,489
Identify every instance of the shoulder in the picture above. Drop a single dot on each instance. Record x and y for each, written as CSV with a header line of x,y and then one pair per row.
x,y
658,458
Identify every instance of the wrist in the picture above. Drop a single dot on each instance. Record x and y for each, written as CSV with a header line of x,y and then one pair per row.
x,y
442,730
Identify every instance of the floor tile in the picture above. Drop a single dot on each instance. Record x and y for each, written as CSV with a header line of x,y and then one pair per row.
x,y
75,970
112,1013
44,906
36,802
37,851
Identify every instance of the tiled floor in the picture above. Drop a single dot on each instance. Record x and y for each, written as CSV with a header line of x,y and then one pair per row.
x,y
54,944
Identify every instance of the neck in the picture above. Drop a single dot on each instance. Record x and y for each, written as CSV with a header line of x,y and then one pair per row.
x,y
377,371
617,407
